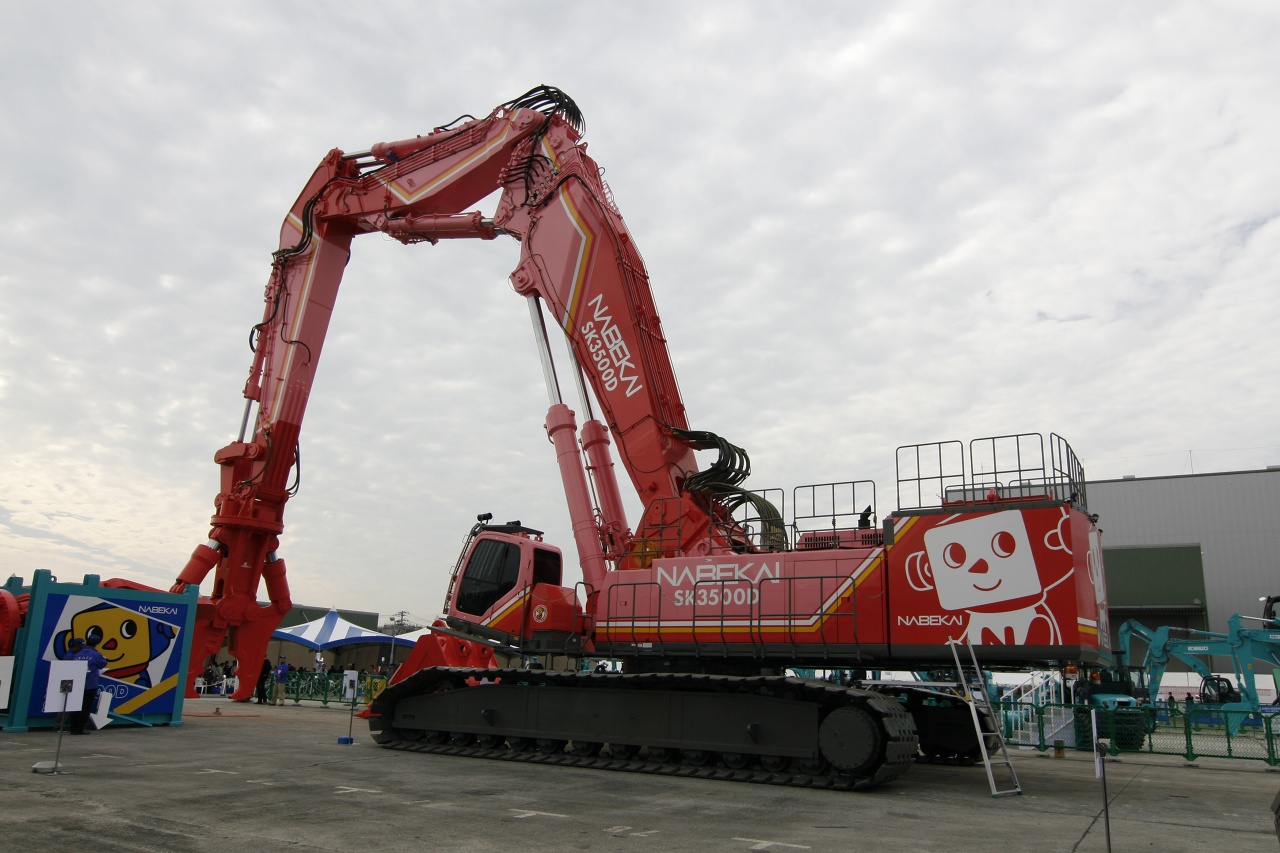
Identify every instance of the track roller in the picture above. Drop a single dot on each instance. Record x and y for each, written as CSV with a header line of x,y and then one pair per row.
x,y
773,730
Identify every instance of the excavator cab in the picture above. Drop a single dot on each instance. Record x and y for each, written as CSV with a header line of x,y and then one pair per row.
x,y
1110,688
1218,690
1269,611
506,587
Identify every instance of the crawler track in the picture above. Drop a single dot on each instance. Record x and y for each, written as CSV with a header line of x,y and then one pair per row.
x,y
767,730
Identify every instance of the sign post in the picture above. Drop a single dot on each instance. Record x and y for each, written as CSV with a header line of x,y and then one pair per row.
x,y
350,678
1100,750
66,679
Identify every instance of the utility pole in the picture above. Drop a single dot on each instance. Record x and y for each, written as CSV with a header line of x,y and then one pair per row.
x,y
397,623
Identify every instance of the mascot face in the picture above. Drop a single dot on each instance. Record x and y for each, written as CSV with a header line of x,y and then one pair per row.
x,y
124,638
983,561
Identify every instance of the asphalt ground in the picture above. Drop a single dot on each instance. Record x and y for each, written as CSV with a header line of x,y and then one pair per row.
x,y
238,777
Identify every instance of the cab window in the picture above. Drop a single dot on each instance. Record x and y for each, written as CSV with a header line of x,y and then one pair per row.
x,y
492,572
546,566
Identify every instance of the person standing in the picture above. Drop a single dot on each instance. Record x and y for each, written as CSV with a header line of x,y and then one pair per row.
x,y
264,678
93,679
281,676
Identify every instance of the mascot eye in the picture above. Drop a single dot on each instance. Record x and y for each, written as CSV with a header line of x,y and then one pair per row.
x,y
93,636
1003,544
128,628
954,555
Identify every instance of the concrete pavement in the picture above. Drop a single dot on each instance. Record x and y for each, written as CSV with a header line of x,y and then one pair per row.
x,y
261,778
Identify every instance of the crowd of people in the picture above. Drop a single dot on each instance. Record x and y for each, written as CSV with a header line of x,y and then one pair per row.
x,y
219,677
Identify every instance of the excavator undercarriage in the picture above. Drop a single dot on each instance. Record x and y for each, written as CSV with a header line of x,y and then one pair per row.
x,y
767,729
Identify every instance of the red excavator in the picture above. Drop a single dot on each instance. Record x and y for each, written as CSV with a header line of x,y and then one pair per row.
x,y
718,589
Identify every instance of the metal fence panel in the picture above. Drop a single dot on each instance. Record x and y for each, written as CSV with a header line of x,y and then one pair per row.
x,y
1195,732
326,687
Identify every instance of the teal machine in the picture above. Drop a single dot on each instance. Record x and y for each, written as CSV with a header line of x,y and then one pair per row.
x,y
1248,639
145,635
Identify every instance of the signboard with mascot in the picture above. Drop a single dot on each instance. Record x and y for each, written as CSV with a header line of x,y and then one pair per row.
x,y
144,636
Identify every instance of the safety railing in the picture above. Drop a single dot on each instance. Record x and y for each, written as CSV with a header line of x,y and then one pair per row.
x,y
835,515
994,470
1040,688
1201,731
326,687
762,519
820,516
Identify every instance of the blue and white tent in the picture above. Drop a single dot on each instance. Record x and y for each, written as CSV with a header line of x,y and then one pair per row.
x,y
412,637
331,631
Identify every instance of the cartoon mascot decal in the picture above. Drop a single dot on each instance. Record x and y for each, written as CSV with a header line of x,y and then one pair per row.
x,y
127,639
985,567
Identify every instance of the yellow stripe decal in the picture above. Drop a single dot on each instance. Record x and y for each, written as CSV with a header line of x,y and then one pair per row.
x,y
580,262
408,196
902,529
146,696
776,625
501,614
295,321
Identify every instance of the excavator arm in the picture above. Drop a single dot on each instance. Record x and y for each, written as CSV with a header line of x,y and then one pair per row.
x,y
1243,646
577,258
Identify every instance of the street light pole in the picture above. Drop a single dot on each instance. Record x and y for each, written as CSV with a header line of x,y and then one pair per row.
x,y
397,622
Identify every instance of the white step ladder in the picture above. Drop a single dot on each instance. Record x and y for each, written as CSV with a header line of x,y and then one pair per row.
x,y
974,691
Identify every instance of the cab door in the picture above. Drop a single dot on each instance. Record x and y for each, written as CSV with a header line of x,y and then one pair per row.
x,y
492,593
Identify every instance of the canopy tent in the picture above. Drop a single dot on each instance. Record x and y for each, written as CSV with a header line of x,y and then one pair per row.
x,y
412,637
331,631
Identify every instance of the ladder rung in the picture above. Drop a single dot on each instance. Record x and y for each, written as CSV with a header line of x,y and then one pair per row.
x,y
975,695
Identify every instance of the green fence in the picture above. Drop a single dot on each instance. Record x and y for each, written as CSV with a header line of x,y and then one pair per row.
x,y
1201,731
326,687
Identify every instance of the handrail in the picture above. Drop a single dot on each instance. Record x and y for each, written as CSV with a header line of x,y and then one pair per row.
x,y
1194,731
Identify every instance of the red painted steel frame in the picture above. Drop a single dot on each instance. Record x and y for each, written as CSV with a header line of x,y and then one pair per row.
x,y
1028,588
576,255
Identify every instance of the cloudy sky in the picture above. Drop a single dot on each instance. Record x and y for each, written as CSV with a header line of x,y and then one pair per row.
x,y
867,226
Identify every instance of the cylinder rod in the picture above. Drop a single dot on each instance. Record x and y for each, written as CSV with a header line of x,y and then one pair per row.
x,y
544,351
